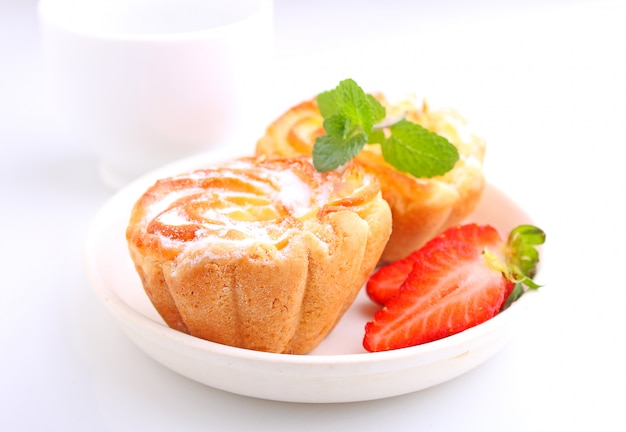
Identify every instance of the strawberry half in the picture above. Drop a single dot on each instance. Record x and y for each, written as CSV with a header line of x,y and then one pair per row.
x,y
387,280
461,278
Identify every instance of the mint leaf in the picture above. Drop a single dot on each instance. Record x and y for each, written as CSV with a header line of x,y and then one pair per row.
x,y
330,152
354,104
377,108
349,115
350,119
326,103
416,150
338,126
376,136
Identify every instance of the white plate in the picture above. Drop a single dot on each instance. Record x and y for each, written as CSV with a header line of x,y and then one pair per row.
x,y
339,370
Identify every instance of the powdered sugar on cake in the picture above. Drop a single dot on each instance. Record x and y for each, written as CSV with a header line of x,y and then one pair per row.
x,y
229,209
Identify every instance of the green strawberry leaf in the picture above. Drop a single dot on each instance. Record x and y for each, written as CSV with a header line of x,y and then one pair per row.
x,y
522,259
517,292
523,255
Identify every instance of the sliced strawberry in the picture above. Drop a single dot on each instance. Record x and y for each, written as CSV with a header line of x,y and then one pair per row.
x,y
386,281
460,280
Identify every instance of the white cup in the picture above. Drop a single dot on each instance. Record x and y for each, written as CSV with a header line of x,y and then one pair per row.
x,y
145,82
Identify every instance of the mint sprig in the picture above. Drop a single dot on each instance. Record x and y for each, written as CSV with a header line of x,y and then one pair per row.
x,y
352,119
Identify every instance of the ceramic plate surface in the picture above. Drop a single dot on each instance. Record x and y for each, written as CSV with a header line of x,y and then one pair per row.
x,y
339,370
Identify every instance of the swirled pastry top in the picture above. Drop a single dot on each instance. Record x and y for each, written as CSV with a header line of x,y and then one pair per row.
x,y
246,201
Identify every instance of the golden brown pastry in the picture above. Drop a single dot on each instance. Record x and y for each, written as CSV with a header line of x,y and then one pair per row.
x,y
421,208
263,254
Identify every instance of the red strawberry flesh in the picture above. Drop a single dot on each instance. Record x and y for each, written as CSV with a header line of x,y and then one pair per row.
x,y
387,280
449,289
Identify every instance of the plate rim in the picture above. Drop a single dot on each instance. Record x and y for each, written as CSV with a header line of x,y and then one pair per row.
x,y
307,365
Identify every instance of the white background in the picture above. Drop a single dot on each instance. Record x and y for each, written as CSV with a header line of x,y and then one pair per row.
x,y
542,81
